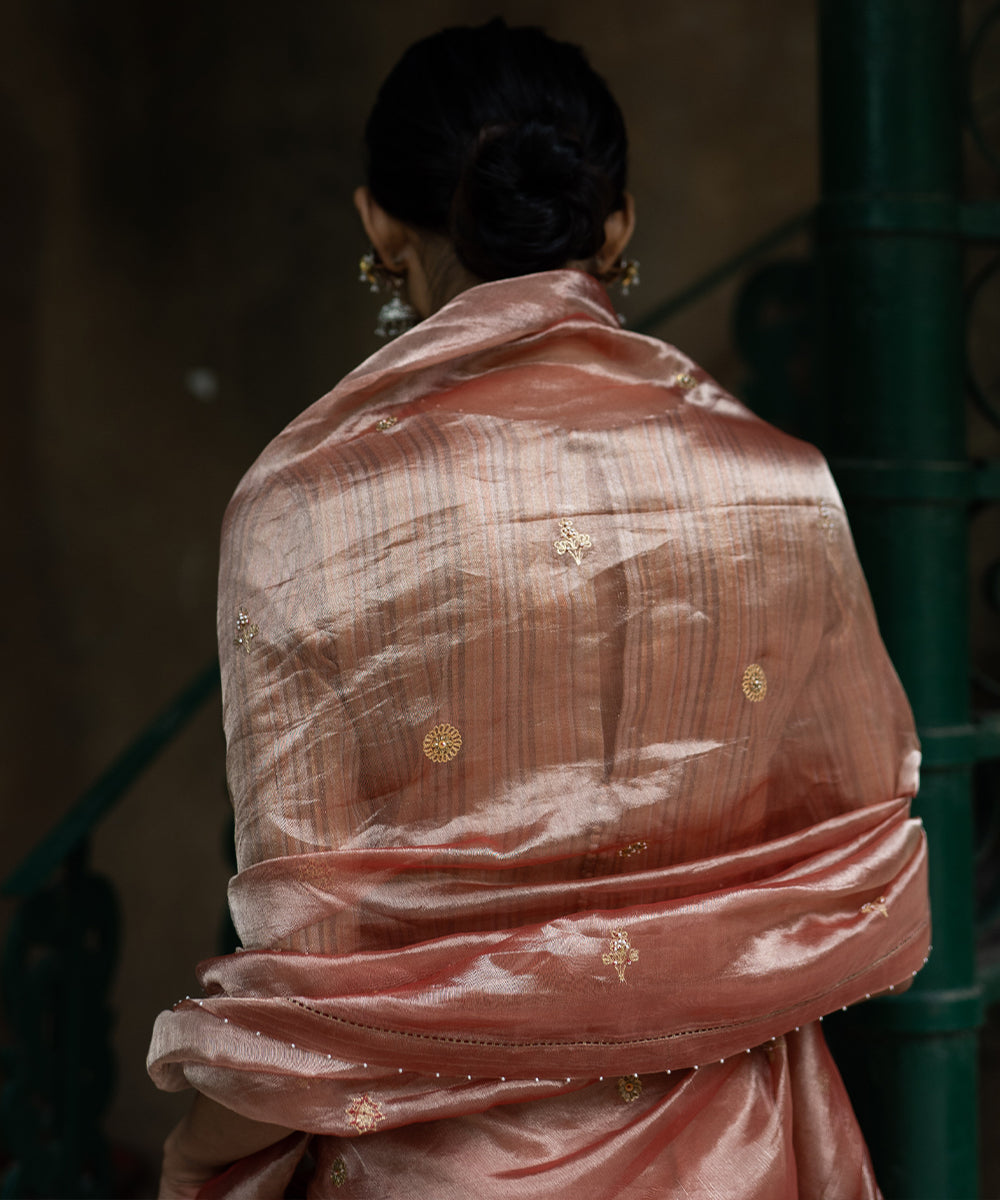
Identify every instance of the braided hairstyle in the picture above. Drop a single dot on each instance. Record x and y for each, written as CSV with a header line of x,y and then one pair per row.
x,y
503,140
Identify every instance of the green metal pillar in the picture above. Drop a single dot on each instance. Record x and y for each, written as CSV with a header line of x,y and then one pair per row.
x,y
891,280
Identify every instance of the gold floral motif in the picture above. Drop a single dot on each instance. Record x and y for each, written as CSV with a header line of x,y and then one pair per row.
x,y
338,1173
876,906
246,630
386,423
754,683
631,849
621,953
684,380
629,1088
364,1113
442,743
571,541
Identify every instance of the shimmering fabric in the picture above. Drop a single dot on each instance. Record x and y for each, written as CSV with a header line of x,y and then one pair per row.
x,y
511,818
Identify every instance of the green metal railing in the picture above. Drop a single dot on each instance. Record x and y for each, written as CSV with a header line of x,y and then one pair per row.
x,y
891,229
57,970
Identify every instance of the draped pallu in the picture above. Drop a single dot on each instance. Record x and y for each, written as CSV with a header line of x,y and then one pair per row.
x,y
566,759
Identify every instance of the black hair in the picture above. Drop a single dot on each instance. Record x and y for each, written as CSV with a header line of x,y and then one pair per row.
x,y
504,140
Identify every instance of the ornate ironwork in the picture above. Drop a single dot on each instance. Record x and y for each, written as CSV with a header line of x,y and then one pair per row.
x,y
987,28
988,405
58,965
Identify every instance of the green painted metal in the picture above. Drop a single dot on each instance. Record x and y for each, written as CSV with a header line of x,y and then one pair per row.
x,y
80,821
889,229
59,1068
56,972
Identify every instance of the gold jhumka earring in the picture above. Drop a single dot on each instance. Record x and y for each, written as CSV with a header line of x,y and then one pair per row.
x,y
625,273
396,316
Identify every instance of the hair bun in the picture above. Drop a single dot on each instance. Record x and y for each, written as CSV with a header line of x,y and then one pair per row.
x,y
527,200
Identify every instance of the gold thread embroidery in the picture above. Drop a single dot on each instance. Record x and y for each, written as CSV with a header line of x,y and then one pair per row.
x,y
684,380
442,743
621,953
658,1040
386,423
754,683
571,541
827,520
876,906
631,849
338,1173
629,1088
246,630
364,1113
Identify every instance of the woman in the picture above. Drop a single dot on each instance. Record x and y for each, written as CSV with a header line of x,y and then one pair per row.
x,y
571,777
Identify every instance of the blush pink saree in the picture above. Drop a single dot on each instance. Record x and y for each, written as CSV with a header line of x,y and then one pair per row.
x,y
571,781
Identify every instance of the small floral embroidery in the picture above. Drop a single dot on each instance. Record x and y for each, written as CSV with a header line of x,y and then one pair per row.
x,y
386,423
442,743
827,520
571,541
338,1173
364,1113
631,849
629,1088
876,906
685,381
621,953
246,630
754,683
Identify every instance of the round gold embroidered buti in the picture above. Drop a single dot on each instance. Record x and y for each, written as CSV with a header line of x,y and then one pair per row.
x,y
685,381
385,423
338,1173
629,1088
442,743
754,683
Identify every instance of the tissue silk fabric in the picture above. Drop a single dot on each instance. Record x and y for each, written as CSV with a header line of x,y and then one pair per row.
x,y
571,781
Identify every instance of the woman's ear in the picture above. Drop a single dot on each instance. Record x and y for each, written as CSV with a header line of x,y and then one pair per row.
x,y
618,229
389,237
